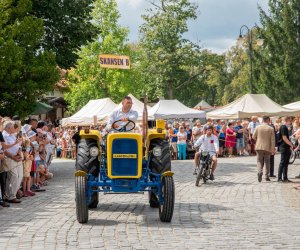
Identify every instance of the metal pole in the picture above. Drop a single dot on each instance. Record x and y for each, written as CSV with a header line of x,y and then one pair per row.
x,y
251,59
250,54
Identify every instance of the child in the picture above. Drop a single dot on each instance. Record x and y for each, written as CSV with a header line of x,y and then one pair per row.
x,y
28,158
42,162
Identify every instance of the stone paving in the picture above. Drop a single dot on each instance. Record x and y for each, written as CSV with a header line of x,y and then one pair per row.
x,y
233,212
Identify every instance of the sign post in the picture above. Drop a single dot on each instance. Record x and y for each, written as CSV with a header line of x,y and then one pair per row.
x,y
114,62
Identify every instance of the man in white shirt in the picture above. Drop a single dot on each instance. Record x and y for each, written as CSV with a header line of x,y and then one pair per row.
x,y
251,127
13,163
123,114
210,143
197,131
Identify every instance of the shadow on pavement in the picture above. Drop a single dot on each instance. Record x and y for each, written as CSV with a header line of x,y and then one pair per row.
x,y
189,215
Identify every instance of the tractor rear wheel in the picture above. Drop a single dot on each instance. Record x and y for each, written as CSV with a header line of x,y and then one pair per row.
x,y
160,164
80,197
94,200
83,157
166,209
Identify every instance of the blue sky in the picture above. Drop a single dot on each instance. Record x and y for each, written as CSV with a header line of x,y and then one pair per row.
x,y
217,26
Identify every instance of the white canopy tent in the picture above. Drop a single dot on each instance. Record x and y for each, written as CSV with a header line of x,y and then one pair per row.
x,y
100,108
203,105
137,106
173,109
250,105
293,105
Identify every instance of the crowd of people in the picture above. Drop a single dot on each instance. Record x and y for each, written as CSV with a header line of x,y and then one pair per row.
x,y
26,150
239,138
26,153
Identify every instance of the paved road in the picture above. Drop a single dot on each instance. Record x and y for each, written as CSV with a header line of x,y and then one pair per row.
x,y
233,212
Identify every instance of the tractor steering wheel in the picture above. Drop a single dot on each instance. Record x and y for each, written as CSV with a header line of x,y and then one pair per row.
x,y
123,128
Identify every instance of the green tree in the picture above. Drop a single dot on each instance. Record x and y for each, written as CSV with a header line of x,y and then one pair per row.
x,y
170,63
279,59
26,71
87,80
68,26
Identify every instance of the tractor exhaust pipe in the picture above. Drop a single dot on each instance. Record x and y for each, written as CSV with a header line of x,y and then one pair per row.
x,y
145,121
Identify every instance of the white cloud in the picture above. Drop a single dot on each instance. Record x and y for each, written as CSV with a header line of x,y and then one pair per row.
x,y
217,25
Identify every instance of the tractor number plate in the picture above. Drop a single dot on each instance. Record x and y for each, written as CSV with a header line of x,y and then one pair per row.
x,y
131,156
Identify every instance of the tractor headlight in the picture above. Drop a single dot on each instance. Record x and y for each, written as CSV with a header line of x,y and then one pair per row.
x,y
94,151
157,151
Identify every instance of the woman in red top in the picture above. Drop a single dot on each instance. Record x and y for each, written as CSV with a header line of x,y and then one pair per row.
x,y
230,138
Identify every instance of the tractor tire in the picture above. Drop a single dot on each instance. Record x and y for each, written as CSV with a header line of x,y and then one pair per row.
x,y
82,212
83,157
153,200
167,208
94,200
160,164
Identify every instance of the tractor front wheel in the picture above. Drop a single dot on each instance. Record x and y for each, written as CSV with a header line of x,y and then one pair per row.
x,y
82,212
166,209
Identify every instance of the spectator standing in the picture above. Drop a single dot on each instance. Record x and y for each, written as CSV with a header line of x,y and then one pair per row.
x,y
33,123
251,127
28,158
220,129
2,202
189,132
174,140
272,157
240,143
285,147
181,143
264,137
247,149
230,139
13,162
197,130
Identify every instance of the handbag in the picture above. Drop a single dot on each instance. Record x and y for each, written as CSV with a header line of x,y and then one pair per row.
x,y
7,164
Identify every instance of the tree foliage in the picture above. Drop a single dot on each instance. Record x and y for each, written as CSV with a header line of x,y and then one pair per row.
x,y
88,81
279,61
26,71
67,26
170,62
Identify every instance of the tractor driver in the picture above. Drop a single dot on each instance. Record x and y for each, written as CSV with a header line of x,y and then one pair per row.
x,y
123,114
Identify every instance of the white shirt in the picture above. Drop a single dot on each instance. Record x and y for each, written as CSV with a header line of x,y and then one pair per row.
x,y
11,139
196,130
252,126
209,144
118,114
179,140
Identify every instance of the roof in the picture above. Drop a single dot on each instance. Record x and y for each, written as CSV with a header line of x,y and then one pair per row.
x,y
41,108
293,105
100,108
203,105
250,105
173,109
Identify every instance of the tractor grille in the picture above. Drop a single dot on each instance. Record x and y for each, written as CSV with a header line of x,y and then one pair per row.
x,y
124,157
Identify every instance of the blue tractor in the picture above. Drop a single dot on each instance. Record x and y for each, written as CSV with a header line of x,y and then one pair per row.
x,y
124,163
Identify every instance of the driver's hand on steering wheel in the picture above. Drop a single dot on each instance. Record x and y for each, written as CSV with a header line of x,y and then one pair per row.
x,y
115,125
124,119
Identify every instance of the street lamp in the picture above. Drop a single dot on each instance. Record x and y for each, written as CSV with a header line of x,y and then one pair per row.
x,y
240,41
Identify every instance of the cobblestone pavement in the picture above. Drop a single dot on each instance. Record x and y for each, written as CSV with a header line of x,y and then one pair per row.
x,y
233,212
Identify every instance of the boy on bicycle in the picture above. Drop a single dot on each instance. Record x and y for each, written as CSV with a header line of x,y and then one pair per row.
x,y
210,143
